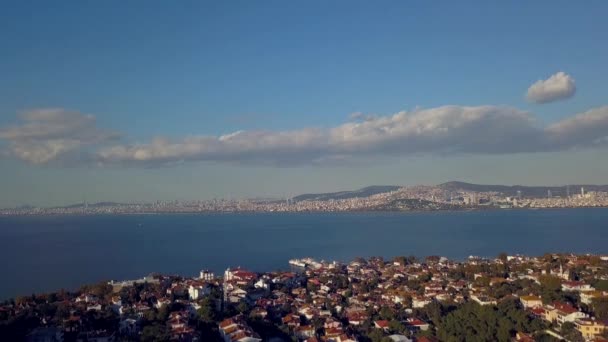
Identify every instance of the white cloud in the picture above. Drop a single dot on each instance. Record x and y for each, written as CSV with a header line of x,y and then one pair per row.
x,y
442,131
47,136
585,129
557,87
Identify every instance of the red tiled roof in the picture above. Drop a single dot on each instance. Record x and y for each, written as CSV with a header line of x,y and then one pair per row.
x,y
382,324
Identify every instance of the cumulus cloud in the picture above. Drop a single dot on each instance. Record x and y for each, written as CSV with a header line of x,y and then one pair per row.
x,y
447,130
557,87
585,129
46,135
443,130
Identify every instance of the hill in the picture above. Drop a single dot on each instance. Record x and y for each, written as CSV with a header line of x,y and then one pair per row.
x,y
526,191
365,192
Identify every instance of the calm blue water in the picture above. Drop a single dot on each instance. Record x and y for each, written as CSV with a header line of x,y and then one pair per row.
x,y
48,253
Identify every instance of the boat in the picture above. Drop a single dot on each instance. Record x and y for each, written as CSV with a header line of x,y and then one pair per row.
x,y
297,262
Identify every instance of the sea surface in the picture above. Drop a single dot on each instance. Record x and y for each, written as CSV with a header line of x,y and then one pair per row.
x,y
47,253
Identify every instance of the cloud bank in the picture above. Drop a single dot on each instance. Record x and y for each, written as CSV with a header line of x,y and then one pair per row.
x,y
557,87
45,136
48,135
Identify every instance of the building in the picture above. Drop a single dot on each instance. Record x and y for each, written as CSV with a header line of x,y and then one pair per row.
x,y
235,329
198,291
561,313
531,301
206,275
590,327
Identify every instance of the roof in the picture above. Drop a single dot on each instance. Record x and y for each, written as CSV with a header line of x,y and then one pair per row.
x,y
382,323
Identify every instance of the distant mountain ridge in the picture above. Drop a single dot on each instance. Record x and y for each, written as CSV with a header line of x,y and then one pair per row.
x,y
364,192
92,205
526,191
507,190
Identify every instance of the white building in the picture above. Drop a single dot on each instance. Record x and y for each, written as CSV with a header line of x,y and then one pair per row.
x,y
206,275
198,291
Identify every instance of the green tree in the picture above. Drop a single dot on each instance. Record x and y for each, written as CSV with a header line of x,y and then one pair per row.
x,y
396,326
207,312
550,288
163,313
242,307
568,330
155,333
600,307
376,335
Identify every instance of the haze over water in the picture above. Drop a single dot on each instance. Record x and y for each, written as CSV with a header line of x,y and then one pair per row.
x,y
47,253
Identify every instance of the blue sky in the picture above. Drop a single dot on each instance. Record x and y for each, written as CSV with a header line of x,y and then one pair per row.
x,y
206,69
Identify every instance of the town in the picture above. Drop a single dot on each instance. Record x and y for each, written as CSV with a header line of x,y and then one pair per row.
x,y
410,198
553,297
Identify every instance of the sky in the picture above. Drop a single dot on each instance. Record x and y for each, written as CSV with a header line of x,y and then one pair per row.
x,y
164,100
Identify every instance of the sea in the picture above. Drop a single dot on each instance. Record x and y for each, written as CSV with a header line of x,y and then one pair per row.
x,y
48,253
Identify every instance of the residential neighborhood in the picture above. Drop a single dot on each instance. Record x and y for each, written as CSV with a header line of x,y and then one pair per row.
x,y
554,297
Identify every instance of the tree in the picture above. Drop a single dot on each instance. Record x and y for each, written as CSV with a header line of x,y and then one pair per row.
x,y
550,288
242,307
601,285
207,313
163,313
569,331
396,326
376,335
600,307
386,313
503,257
154,333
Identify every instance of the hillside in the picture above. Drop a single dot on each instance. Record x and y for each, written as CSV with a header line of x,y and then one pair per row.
x,y
526,191
365,192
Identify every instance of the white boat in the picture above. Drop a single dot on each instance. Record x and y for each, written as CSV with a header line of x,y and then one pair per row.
x,y
297,262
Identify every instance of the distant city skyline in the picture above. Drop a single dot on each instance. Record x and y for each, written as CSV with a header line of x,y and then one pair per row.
x,y
130,102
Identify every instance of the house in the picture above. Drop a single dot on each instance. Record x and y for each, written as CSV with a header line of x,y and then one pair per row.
x,y
420,302
346,338
94,307
240,276
356,318
588,296
304,331
522,337
206,275
589,327
262,284
399,338
561,313
333,332
86,298
483,300
259,312
382,324
198,291
162,301
415,324
235,329
576,286
530,301
178,320
291,320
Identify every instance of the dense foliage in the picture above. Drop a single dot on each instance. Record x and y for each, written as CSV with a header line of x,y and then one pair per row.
x,y
477,323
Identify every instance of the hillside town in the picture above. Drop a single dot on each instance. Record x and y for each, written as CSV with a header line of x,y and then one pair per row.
x,y
411,198
554,297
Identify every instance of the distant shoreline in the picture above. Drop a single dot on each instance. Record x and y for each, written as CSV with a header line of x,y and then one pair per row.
x,y
303,212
